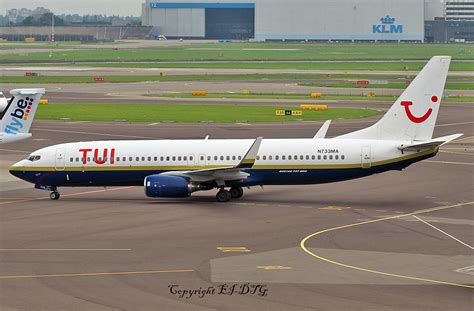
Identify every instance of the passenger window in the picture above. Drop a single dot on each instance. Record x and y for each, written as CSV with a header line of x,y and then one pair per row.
x,y
283,157
307,157
71,160
336,157
156,159
77,159
264,157
82,160
180,158
190,158
143,159
343,157
330,157
209,158
240,158
222,158
233,158
93,159
277,158
289,157
325,157
124,159
215,158
202,158
228,158
174,159
130,159
168,159
185,158
162,159
118,159
270,157
319,157
149,159
258,157
296,157
313,157
301,157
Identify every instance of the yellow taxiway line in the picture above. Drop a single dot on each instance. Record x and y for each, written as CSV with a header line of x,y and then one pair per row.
x,y
425,211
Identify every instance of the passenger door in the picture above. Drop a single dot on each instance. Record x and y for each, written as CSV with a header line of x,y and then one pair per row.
x,y
60,163
366,157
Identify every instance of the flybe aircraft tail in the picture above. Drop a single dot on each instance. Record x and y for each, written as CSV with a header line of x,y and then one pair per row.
x,y
16,119
413,116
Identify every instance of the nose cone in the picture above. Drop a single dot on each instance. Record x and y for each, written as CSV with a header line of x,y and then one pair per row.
x,y
17,170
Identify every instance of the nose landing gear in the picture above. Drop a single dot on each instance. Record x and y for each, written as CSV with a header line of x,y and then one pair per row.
x,y
54,195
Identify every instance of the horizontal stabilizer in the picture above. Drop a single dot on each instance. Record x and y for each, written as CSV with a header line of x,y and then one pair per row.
x,y
321,134
436,142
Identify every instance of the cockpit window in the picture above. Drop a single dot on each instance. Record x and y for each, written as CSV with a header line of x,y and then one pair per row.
x,y
1,95
33,158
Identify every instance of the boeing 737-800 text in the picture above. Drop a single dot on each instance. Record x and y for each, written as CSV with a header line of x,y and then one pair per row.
x,y
177,168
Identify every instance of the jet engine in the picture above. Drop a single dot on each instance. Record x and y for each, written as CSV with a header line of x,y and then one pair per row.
x,y
163,186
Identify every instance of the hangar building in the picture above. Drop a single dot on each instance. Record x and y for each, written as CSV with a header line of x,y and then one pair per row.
x,y
319,20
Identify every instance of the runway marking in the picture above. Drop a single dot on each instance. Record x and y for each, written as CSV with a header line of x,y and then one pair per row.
x,y
227,249
461,139
92,274
92,133
430,210
274,268
151,124
79,122
448,162
452,152
443,232
452,124
335,208
65,249
381,210
13,150
453,148
466,270
67,195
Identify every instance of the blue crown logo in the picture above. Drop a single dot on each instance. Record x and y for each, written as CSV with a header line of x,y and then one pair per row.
x,y
387,20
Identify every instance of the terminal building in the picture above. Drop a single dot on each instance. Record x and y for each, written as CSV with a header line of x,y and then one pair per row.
x,y
314,20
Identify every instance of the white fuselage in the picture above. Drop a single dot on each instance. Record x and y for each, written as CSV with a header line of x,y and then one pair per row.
x,y
279,161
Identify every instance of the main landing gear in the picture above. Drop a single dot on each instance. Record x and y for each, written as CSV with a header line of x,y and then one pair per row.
x,y
224,196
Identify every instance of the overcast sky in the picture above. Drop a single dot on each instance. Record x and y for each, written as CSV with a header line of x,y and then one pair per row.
x,y
109,7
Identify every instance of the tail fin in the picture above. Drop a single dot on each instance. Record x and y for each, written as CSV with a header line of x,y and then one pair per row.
x,y
17,117
413,116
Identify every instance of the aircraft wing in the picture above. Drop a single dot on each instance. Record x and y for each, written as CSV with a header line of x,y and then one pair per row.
x,y
225,173
436,142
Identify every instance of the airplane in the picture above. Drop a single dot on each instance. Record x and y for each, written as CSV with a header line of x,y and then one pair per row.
x,y
3,102
178,168
16,118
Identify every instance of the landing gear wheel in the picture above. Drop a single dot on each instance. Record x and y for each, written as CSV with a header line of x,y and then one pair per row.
x,y
54,195
223,196
236,192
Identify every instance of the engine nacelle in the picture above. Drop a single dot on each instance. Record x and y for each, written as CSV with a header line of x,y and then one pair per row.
x,y
163,186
